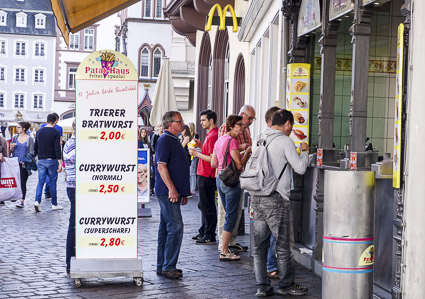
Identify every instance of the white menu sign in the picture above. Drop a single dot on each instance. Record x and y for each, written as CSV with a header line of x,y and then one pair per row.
x,y
106,157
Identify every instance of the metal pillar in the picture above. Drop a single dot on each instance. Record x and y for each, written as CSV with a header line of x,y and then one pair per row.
x,y
327,42
401,204
360,32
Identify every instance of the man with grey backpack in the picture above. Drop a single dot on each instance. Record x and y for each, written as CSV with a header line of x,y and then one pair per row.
x,y
270,180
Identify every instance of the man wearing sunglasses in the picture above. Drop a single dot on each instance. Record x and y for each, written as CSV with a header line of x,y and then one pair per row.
x,y
172,186
248,116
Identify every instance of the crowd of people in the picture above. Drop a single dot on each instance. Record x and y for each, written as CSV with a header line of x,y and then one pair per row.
x,y
230,144
47,147
182,164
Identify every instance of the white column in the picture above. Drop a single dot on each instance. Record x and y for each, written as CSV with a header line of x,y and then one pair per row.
x,y
413,270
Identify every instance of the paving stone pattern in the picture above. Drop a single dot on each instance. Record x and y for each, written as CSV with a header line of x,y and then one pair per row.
x,y
32,259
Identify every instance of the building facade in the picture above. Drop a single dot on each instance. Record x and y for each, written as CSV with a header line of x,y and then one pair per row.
x,y
98,36
352,51
146,37
27,51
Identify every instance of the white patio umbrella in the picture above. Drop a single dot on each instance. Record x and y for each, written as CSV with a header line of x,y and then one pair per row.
x,y
163,98
66,124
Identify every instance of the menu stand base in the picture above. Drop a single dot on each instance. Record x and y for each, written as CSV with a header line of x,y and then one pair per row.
x,y
106,268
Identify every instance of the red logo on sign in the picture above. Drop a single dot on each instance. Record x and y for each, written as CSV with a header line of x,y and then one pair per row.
x,y
353,161
319,160
8,183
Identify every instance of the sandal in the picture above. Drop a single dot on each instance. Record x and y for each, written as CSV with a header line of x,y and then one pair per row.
x,y
273,274
229,257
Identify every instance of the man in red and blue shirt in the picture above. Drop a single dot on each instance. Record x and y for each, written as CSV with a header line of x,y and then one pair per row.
x,y
206,179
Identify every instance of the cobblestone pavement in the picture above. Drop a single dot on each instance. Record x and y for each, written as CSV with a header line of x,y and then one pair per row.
x,y
32,259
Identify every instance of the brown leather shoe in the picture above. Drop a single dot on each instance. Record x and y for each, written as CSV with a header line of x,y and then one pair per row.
x,y
173,273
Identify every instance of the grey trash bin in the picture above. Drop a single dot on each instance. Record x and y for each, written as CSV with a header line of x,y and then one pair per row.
x,y
348,234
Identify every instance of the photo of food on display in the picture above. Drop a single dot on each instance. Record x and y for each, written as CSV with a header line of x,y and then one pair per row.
x,y
397,85
396,137
288,104
300,101
397,109
288,85
299,134
301,118
300,85
396,157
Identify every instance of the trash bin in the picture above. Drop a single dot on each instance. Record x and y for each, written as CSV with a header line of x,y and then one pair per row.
x,y
348,234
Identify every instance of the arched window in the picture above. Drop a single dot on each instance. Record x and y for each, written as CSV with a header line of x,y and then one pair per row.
x,y
226,80
210,71
157,58
144,63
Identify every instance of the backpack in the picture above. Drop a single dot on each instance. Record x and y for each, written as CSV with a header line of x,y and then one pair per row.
x,y
258,177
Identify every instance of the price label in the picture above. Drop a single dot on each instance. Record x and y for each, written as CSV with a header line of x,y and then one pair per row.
x,y
106,242
106,188
106,135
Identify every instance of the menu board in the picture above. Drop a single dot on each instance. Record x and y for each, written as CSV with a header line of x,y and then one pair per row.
x,y
106,157
398,108
298,100
338,8
308,17
366,2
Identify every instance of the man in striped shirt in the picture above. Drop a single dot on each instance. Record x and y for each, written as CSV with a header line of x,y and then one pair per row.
x,y
69,159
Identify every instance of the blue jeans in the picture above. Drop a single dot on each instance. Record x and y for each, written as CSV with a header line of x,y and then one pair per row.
x,y
47,188
70,238
47,168
193,168
170,234
273,215
271,255
230,197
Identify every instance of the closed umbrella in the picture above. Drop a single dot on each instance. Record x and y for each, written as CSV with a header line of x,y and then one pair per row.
x,y
163,98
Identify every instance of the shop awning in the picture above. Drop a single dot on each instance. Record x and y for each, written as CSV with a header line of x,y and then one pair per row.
x,y
72,15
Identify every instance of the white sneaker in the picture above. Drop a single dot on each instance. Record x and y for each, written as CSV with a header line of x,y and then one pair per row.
x,y
36,206
57,207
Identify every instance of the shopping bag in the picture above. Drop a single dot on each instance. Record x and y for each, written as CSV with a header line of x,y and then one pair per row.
x,y
10,181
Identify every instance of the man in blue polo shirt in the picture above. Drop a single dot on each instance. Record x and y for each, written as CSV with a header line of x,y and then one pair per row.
x,y
172,186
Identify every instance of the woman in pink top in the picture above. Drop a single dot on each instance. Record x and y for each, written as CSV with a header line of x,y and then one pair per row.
x,y
230,196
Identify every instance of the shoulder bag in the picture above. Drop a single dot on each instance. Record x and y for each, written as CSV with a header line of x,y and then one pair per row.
x,y
230,175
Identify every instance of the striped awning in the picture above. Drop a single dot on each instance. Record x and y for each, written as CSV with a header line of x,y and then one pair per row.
x,y
73,16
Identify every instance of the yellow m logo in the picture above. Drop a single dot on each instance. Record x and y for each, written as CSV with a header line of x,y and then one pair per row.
x,y
222,15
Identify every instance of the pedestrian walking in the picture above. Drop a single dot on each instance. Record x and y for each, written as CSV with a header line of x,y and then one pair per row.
x,y
47,148
248,116
206,179
226,149
172,187
4,152
60,130
273,214
69,159
21,145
